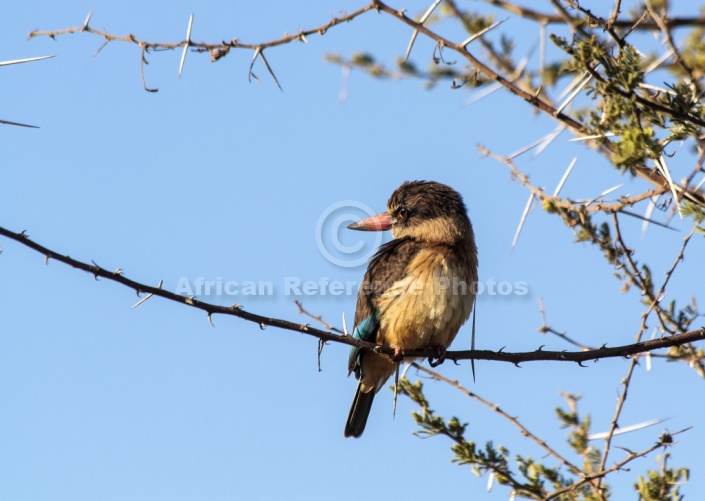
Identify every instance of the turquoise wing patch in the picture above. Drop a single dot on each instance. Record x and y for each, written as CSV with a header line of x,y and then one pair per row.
x,y
364,331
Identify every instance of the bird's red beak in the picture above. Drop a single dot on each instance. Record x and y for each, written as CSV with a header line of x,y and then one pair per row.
x,y
380,222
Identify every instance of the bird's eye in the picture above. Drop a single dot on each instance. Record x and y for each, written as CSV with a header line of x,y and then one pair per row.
x,y
403,212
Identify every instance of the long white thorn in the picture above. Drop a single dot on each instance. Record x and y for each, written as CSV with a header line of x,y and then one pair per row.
x,y
565,177
186,44
423,19
523,219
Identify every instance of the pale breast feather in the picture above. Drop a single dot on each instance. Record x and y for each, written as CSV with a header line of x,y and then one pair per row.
x,y
426,307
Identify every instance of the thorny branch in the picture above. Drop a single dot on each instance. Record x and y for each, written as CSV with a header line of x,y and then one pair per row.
x,y
263,321
216,50
205,46
567,204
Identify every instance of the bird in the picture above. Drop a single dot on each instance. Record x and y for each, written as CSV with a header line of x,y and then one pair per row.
x,y
419,288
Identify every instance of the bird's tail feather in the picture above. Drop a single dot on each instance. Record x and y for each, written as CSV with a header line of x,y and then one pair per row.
x,y
357,419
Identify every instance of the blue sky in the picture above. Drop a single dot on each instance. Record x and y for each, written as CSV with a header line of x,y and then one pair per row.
x,y
220,178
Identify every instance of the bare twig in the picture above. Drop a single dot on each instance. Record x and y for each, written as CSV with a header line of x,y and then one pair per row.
x,y
567,204
318,318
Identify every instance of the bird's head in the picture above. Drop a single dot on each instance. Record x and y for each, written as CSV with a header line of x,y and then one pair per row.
x,y
423,210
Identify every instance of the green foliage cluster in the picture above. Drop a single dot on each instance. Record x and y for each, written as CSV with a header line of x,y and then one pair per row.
x,y
530,478
662,485
527,477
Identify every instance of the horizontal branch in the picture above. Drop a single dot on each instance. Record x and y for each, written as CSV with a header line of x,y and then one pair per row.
x,y
626,23
300,36
263,321
235,43
575,356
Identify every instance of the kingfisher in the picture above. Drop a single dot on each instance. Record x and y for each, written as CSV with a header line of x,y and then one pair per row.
x,y
419,288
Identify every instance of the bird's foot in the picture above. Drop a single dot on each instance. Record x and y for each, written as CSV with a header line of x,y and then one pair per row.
x,y
439,358
397,357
